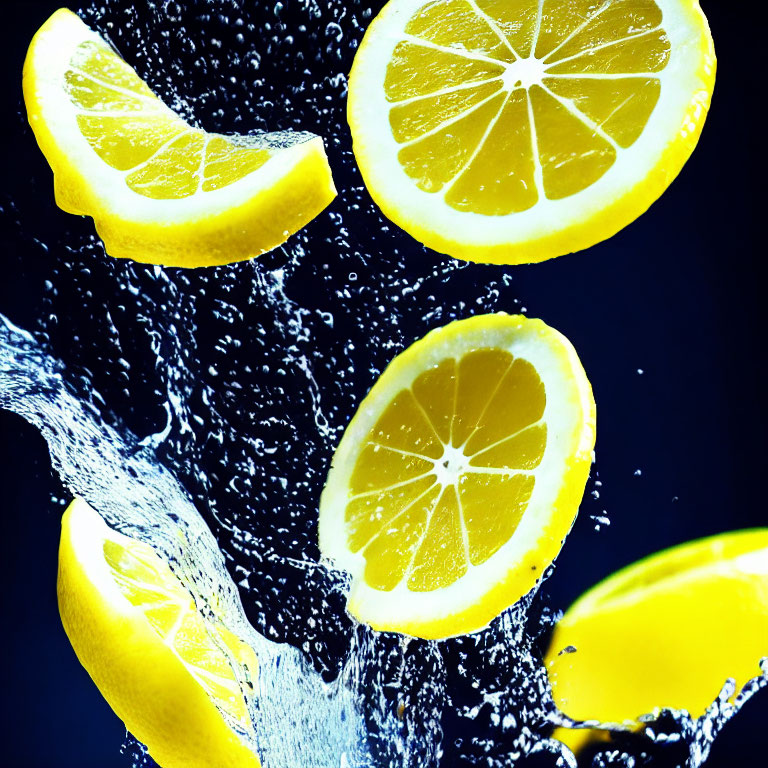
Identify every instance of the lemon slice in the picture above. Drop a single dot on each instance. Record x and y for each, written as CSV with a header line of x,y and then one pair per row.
x,y
666,631
510,132
160,191
135,629
460,475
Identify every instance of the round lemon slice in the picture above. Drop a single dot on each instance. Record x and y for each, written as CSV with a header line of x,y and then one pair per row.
x,y
459,476
667,631
159,190
513,132
135,629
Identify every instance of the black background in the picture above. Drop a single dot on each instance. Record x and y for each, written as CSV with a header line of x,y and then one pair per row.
x,y
678,294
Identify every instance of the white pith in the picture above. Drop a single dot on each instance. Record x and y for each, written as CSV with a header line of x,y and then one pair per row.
x,y
683,94
54,51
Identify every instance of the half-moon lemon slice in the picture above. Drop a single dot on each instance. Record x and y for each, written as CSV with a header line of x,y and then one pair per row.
x,y
159,190
136,630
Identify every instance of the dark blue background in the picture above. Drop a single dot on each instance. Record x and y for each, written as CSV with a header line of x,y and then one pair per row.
x,y
678,294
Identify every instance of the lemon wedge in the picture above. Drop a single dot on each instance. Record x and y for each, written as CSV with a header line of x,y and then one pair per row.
x,y
159,190
666,631
510,132
137,632
460,475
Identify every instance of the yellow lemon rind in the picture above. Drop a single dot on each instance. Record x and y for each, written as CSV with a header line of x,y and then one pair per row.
x,y
738,561
516,568
141,678
664,570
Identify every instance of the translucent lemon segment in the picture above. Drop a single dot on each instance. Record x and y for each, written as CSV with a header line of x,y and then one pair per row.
x,y
97,60
621,106
226,161
521,451
518,400
367,514
493,508
501,179
149,584
435,159
578,25
479,373
415,118
515,22
90,91
175,161
572,155
477,129
456,24
167,673
637,54
417,70
409,517
440,558
390,552
126,142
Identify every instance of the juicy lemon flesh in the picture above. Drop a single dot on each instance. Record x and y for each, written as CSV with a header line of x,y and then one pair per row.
x,y
149,584
133,132
447,471
495,108
665,632
135,629
459,476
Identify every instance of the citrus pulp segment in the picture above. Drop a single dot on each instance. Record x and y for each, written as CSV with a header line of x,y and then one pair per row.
x,y
667,631
460,475
137,632
521,130
158,189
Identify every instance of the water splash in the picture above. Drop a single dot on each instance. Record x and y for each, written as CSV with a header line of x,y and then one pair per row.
x,y
291,705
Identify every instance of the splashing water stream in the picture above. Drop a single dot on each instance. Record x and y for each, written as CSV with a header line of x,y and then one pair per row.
x,y
209,403
119,477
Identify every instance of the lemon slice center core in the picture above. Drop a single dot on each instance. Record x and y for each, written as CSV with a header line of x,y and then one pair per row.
x,y
523,73
451,466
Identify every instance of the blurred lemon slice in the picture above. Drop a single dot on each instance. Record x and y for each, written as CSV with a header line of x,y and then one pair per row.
x,y
460,475
512,132
137,632
159,190
665,632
